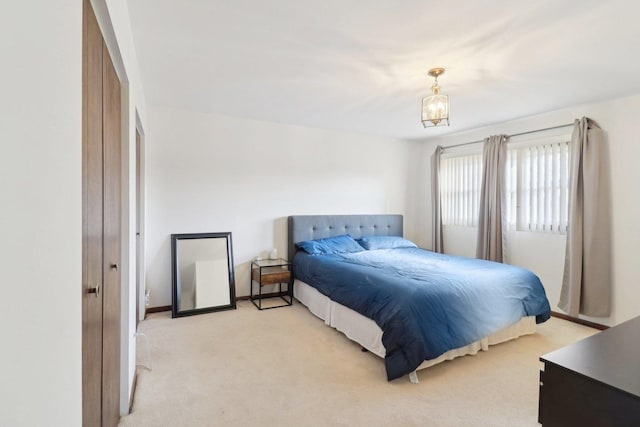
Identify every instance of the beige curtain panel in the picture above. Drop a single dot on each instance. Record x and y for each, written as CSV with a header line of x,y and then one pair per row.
x,y
491,238
437,243
586,285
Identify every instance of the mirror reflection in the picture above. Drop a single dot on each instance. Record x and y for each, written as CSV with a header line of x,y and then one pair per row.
x,y
203,278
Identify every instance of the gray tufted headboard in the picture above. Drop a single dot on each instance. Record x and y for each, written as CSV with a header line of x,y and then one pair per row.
x,y
309,227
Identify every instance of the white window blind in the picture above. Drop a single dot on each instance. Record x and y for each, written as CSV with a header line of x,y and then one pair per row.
x,y
460,179
537,187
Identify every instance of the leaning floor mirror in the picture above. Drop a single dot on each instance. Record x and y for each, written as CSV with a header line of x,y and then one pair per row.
x,y
202,273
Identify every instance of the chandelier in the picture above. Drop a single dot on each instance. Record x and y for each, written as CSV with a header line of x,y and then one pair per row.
x,y
435,107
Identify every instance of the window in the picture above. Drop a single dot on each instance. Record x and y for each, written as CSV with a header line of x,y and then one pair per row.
x,y
460,180
537,187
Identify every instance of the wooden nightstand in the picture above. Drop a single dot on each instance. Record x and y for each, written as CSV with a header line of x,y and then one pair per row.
x,y
271,272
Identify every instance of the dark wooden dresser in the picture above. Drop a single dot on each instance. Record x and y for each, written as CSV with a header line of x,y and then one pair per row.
x,y
593,382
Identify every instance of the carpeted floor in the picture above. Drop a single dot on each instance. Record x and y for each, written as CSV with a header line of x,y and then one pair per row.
x,y
284,367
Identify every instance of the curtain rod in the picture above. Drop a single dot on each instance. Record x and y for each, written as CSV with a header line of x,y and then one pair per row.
x,y
515,134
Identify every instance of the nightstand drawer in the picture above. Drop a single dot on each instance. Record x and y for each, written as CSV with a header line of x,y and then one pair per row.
x,y
270,278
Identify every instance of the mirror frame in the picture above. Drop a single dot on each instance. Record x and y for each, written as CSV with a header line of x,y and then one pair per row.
x,y
175,312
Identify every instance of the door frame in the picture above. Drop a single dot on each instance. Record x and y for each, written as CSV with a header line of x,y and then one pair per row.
x,y
140,219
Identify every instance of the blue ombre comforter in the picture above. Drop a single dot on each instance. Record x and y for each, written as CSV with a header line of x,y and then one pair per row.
x,y
425,303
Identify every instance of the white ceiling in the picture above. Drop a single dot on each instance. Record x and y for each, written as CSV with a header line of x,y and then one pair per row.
x,y
362,66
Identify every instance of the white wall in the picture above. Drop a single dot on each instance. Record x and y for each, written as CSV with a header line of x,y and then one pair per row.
x,y
41,213
544,254
113,17
213,173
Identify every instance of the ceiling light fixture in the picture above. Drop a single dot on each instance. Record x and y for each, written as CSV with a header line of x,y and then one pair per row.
x,y
435,108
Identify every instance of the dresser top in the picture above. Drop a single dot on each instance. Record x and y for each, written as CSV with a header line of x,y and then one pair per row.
x,y
611,357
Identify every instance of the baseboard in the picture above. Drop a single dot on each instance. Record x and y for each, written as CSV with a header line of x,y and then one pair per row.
x,y
133,390
157,309
579,321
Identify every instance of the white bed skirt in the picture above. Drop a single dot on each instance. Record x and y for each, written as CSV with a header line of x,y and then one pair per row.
x,y
368,334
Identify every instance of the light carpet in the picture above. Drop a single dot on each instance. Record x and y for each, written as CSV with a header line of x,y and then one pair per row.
x,y
285,367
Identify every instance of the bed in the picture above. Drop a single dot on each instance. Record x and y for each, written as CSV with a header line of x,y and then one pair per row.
x,y
410,306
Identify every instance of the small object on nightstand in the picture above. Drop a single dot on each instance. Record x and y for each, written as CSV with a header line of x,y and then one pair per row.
x,y
273,254
271,272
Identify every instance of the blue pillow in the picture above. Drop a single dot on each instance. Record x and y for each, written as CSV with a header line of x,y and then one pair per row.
x,y
330,245
385,242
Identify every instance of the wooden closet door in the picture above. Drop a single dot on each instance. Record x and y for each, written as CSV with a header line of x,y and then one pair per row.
x,y
101,182
111,242
92,220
